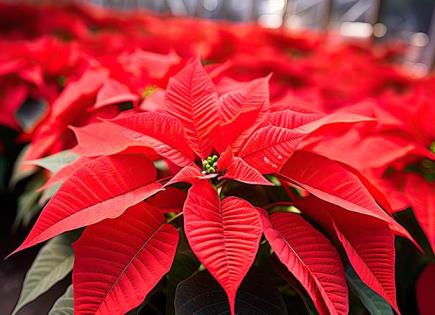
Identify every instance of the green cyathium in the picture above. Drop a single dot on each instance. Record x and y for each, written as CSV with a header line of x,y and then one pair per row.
x,y
209,165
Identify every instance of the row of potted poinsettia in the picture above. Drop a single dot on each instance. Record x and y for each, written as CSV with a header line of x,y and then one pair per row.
x,y
285,156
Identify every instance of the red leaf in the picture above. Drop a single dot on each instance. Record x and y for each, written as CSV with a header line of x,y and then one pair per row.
x,y
333,120
156,65
369,244
308,122
71,99
93,139
215,70
421,195
370,249
223,235
189,174
169,200
69,108
225,159
33,74
292,119
392,187
269,148
247,96
377,194
241,171
119,261
191,97
44,140
161,132
311,258
425,289
113,92
65,172
242,110
100,189
364,152
235,132
329,181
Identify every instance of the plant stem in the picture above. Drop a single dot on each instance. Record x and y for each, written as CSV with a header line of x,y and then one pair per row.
x,y
175,217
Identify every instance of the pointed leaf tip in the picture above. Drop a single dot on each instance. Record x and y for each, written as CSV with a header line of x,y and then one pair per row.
x,y
222,231
191,97
137,248
100,189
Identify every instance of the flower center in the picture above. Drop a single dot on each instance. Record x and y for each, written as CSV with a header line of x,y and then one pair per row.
x,y
432,147
149,90
61,81
209,165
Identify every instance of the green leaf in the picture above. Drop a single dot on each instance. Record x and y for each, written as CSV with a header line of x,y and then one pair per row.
x,y
57,161
53,262
28,205
373,302
201,295
48,193
18,173
65,304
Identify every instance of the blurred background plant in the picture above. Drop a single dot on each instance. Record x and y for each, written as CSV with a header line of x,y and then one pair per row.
x,y
409,21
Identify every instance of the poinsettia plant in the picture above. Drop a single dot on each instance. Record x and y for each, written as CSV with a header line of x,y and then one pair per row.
x,y
216,174
319,157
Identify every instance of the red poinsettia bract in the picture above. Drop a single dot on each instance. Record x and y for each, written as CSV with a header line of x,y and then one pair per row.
x,y
213,141
398,153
